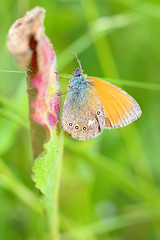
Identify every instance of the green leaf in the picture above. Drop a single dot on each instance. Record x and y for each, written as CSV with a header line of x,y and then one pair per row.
x,y
47,169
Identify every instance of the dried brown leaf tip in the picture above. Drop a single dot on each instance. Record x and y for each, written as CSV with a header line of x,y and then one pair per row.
x,y
32,50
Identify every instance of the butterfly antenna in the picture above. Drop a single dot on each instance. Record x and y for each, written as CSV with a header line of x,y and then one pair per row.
x,y
63,75
78,61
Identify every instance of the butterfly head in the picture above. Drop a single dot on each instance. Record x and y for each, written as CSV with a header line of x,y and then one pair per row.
x,y
79,80
77,72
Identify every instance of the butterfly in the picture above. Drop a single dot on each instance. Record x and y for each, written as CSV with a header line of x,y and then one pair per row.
x,y
93,104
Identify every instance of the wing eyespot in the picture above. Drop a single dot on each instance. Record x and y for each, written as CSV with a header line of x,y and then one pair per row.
x,y
76,127
98,113
70,124
84,128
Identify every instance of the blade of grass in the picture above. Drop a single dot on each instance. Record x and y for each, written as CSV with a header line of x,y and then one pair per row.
x,y
142,215
13,184
11,71
148,8
99,28
13,104
13,110
102,48
116,174
8,129
14,118
136,84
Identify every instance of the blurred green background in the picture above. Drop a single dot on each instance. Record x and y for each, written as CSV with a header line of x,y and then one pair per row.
x,y
110,184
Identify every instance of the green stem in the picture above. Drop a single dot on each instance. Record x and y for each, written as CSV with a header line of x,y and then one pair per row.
x,y
54,227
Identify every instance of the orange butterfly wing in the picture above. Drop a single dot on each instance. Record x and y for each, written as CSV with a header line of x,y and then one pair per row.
x,y
119,107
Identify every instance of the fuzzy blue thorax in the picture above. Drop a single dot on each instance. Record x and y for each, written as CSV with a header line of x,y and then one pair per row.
x,y
79,81
78,87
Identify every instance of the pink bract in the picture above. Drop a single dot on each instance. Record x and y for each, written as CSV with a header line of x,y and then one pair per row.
x,y
31,49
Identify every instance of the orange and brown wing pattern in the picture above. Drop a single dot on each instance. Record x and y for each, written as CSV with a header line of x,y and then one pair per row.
x,y
81,118
120,108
